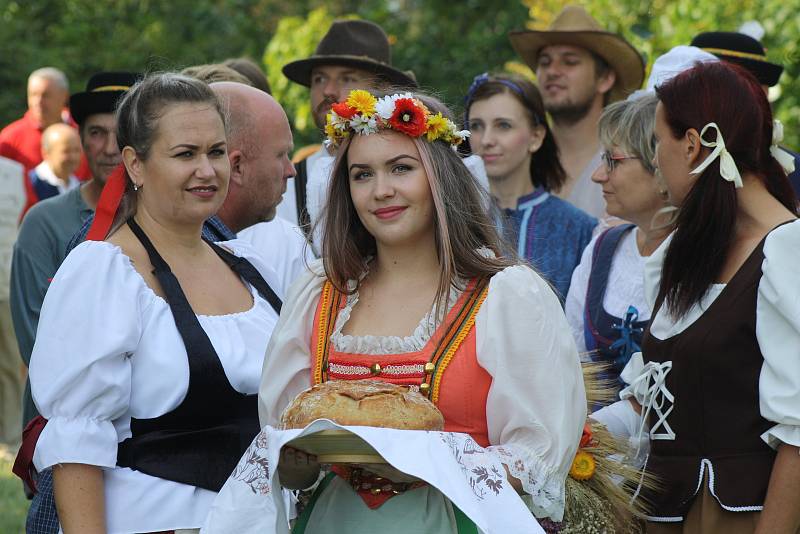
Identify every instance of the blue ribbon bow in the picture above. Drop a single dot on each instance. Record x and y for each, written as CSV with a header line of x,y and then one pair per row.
x,y
626,344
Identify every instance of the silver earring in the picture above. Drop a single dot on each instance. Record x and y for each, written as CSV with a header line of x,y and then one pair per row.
x,y
135,186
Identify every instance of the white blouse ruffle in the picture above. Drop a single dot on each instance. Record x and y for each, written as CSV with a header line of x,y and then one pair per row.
x,y
777,330
107,350
536,404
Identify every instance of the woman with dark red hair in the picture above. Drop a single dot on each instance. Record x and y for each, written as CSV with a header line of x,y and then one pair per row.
x,y
718,379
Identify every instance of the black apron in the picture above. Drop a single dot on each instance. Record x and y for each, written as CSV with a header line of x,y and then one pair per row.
x,y
199,442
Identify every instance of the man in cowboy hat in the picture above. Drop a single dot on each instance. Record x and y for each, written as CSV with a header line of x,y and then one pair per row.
x,y
580,68
747,52
43,238
354,54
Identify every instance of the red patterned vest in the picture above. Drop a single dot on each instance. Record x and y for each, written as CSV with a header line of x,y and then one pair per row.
x,y
446,369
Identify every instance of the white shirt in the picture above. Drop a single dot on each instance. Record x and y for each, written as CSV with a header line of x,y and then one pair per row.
x,y
536,405
777,330
12,200
283,247
107,349
44,172
625,286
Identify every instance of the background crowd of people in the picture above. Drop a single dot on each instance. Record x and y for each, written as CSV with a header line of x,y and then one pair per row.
x,y
588,217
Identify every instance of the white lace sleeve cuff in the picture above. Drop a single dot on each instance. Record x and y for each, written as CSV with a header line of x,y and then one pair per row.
x,y
543,484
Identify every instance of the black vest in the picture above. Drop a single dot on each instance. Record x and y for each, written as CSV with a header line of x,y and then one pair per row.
x,y
201,440
609,339
716,365
300,198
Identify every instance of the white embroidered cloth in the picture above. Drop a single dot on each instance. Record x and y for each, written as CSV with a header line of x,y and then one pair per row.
x,y
252,501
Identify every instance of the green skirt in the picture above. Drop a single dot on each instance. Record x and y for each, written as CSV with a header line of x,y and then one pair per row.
x,y
335,508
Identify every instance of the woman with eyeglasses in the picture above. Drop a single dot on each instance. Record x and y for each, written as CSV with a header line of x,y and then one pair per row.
x,y
509,131
606,306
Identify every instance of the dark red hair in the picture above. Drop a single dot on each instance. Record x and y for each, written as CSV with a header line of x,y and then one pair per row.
x,y
732,98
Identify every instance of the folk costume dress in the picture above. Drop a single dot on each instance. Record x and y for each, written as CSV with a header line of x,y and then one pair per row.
x,y
720,389
501,367
109,361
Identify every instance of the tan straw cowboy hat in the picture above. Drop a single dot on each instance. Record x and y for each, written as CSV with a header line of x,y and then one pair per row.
x,y
355,43
574,26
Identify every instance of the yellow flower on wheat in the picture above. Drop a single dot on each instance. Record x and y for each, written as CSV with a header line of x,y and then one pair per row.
x,y
583,466
438,126
362,101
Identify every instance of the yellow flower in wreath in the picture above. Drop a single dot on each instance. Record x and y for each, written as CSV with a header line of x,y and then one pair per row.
x,y
583,466
363,102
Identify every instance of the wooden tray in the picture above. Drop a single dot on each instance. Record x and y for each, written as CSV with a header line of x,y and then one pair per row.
x,y
337,447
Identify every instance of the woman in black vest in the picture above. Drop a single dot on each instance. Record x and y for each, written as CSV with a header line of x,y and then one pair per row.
x,y
151,341
719,377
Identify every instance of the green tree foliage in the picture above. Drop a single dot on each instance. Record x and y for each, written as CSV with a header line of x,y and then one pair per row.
x,y
655,26
445,43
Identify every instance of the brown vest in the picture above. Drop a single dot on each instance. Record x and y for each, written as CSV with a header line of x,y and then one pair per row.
x,y
716,364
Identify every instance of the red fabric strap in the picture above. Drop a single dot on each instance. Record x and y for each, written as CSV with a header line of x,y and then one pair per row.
x,y
108,204
23,464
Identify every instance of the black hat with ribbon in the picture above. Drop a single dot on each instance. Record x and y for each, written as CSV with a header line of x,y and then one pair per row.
x,y
355,43
743,50
102,93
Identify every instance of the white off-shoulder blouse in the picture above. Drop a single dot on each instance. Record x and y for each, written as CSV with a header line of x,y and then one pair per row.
x,y
536,404
106,350
777,332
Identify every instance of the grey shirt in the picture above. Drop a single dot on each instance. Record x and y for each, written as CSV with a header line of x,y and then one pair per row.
x,y
40,248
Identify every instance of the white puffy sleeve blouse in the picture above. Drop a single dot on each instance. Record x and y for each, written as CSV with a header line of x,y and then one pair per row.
x,y
777,330
107,350
536,404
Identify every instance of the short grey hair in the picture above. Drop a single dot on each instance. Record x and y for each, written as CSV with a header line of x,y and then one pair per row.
x,y
629,125
53,74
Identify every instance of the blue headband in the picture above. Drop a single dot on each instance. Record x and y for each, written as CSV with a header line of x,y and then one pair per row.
x,y
481,79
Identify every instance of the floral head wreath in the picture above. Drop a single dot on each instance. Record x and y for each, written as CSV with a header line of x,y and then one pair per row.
x,y
364,114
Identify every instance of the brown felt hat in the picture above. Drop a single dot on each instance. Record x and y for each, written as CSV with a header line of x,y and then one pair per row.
x,y
355,43
574,26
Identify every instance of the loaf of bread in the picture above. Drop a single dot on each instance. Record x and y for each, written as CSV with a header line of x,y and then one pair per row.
x,y
363,403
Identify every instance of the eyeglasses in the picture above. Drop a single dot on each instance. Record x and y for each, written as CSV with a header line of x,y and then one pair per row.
x,y
611,160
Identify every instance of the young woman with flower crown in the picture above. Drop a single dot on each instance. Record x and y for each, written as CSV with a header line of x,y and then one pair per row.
x,y
409,258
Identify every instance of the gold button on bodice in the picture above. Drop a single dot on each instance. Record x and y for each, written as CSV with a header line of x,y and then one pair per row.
x,y
424,388
375,369
429,368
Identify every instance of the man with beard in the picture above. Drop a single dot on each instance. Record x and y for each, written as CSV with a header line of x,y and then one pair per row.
x,y
580,69
43,237
354,54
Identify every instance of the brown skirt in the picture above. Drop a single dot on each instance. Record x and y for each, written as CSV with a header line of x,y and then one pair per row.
x,y
706,516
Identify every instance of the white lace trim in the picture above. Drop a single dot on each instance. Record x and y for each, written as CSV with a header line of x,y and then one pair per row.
x,y
385,344
544,484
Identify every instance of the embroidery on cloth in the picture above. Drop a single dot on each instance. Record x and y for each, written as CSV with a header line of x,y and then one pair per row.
x,y
253,467
470,457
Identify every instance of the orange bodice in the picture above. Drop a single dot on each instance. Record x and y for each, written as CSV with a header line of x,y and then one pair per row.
x,y
446,369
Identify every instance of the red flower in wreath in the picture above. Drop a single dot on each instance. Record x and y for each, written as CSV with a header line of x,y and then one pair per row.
x,y
408,117
343,110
